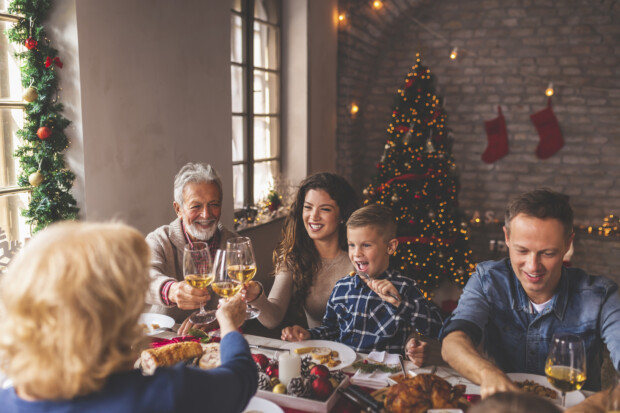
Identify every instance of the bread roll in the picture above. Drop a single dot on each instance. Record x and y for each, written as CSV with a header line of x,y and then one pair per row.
x,y
169,355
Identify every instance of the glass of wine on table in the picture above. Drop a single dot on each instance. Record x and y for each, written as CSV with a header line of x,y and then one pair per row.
x,y
241,266
566,364
198,272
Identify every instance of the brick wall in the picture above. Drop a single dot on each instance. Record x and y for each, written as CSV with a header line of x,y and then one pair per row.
x,y
509,51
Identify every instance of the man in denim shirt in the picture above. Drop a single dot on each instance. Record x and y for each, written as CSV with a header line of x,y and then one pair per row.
x,y
514,306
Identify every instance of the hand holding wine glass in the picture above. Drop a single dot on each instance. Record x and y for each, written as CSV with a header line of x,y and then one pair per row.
x,y
566,364
241,265
198,272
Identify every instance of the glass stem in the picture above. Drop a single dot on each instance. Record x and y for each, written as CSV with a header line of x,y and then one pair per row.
x,y
563,399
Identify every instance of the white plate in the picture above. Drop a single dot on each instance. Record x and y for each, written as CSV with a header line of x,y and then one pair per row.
x,y
153,318
572,398
346,354
258,405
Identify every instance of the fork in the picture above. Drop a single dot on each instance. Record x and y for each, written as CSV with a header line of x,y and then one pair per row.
x,y
367,277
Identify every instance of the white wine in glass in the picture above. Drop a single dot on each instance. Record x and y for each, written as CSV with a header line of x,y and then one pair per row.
x,y
198,272
566,364
241,266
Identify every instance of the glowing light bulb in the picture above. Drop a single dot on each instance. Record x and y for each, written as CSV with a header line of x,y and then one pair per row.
x,y
342,17
454,53
549,91
353,108
377,4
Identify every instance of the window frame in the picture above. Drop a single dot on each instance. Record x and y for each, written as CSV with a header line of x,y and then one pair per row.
x,y
247,65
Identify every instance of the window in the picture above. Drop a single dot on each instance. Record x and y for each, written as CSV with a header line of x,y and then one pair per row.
x,y
13,198
255,61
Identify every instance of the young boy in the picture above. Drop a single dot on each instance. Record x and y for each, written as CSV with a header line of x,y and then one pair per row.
x,y
379,314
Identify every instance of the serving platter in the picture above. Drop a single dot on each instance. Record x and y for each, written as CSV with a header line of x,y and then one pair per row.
x,y
153,321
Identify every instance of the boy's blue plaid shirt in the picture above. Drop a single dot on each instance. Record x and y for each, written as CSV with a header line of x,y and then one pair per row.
x,y
358,317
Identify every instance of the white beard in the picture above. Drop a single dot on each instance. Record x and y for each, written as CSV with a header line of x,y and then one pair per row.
x,y
200,234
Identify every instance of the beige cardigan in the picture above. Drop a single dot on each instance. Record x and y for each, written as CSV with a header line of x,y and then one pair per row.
x,y
167,243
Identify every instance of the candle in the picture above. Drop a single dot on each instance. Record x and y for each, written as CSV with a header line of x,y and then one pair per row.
x,y
289,367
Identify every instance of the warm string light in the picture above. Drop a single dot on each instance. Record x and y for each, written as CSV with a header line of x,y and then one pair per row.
x,y
549,91
377,5
454,53
353,109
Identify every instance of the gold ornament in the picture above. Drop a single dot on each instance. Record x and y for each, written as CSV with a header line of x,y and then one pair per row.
x,y
279,388
395,198
35,178
365,192
30,95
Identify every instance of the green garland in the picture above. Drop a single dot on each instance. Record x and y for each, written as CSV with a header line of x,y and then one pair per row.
x,y
40,156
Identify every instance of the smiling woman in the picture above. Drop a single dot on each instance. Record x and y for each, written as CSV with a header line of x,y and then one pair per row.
x,y
311,255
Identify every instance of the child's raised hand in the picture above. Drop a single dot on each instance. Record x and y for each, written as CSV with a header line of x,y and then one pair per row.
x,y
295,333
383,288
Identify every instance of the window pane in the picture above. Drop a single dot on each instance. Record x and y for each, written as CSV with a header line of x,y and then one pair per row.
x,y
238,132
238,188
236,39
10,86
265,174
13,226
236,5
266,50
266,92
266,137
11,120
267,10
238,90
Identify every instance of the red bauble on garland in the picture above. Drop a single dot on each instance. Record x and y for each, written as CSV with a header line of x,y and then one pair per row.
x,y
44,132
30,43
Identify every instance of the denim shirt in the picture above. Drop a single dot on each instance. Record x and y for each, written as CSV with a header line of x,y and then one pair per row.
x,y
495,308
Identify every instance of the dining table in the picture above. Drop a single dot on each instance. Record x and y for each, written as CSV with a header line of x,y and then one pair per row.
x,y
342,405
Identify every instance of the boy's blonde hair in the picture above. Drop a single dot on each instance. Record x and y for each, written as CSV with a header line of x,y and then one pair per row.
x,y
69,306
376,216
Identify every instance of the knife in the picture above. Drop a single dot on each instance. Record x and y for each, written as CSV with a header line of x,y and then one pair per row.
x,y
261,347
357,400
367,398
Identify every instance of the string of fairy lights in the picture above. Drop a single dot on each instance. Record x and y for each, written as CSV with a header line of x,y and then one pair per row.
x,y
344,17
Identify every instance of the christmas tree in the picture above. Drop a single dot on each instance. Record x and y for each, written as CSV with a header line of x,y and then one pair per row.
x,y
417,178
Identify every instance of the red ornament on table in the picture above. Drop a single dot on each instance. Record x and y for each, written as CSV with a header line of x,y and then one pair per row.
x,y
261,359
44,132
320,371
272,370
30,43
322,388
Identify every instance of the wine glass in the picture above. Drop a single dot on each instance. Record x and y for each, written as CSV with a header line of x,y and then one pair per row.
x,y
222,285
198,272
241,265
566,364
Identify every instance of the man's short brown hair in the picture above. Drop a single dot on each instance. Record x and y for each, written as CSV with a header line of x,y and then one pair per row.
x,y
542,203
377,216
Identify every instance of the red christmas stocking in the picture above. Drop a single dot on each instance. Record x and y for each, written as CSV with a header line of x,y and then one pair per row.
x,y
497,137
549,132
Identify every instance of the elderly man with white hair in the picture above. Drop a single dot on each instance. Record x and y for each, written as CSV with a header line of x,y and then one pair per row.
x,y
198,205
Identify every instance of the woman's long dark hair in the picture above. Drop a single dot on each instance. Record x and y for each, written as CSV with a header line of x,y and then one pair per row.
x,y
296,251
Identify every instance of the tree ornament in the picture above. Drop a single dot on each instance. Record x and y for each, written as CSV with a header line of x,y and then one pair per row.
x,y
44,132
30,43
322,388
56,61
30,94
365,192
36,178
407,165
395,198
431,214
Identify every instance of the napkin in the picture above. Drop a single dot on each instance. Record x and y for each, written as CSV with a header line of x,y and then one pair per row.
x,y
377,379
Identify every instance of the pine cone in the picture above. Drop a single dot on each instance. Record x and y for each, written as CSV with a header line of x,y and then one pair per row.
x,y
264,381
